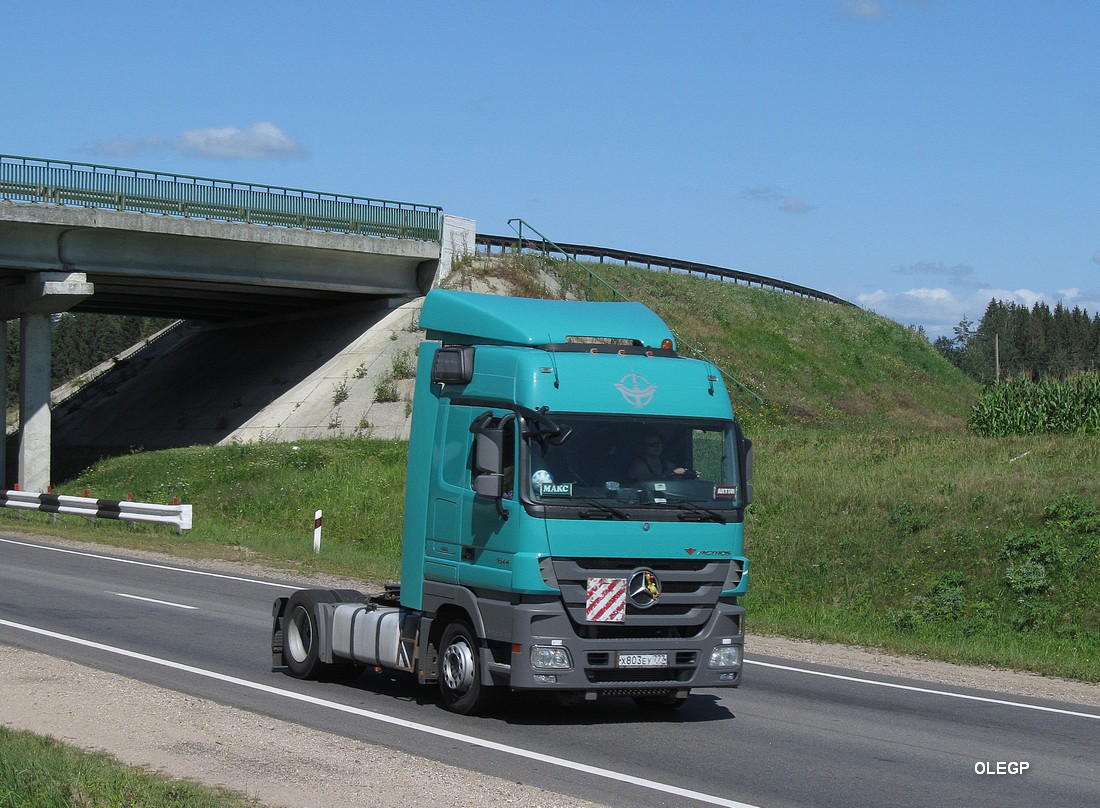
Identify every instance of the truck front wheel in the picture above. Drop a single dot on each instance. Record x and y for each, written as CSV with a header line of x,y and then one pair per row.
x,y
460,681
300,636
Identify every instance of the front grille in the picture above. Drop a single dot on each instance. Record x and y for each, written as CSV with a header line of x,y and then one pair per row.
x,y
690,588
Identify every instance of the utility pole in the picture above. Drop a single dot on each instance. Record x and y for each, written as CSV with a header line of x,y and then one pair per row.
x,y
997,354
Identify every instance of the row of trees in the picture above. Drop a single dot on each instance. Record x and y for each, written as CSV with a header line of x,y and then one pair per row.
x,y
1017,341
80,342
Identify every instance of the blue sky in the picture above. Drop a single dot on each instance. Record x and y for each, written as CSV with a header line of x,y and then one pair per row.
x,y
917,157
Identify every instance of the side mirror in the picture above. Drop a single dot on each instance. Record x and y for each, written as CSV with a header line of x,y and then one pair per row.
x,y
744,449
489,485
489,460
453,365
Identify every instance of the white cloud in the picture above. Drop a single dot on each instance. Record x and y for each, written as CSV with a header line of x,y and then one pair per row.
x,y
1025,296
792,204
261,141
939,309
784,202
872,300
765,193
957,275
931,295
120,145
863,10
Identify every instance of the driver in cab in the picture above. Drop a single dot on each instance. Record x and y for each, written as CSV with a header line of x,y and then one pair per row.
x,y
651,463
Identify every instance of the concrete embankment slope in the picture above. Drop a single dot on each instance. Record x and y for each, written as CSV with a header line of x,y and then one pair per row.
x,y
333,375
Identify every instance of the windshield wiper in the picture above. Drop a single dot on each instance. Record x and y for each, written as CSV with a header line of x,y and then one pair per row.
x,y
603,511
688,505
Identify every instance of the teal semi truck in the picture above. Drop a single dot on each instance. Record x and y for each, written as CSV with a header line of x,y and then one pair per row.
x,y
574,515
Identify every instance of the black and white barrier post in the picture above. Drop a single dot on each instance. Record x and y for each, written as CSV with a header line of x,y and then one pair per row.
x,y
317,532
176,514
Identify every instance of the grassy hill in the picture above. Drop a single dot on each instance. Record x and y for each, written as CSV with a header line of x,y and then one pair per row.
x,y
878,520
814,363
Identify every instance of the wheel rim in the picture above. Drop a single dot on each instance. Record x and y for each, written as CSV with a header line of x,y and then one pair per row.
x,y
299,635
458,666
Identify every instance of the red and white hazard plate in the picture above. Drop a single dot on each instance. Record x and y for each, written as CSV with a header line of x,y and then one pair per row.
x,y
606,600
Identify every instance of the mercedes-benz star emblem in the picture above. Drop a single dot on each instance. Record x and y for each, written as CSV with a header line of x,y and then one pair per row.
x,y
644,588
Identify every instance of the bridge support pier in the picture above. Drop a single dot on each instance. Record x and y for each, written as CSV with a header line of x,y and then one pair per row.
x,y
40,296
34,402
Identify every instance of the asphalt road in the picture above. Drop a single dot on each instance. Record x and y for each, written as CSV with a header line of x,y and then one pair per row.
x,y
793,735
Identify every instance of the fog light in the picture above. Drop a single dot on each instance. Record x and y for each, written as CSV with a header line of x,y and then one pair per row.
x,y
545,679
550,658
725,656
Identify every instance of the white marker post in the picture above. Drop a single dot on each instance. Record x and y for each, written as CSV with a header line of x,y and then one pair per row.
x,y
317,532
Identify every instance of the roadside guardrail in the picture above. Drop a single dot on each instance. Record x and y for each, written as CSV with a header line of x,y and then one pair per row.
x,y
126,510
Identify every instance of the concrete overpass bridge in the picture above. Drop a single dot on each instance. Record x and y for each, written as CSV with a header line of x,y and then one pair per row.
x,y
86,238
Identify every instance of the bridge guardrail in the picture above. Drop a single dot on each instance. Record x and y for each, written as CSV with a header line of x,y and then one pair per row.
x,y
32,179
658,262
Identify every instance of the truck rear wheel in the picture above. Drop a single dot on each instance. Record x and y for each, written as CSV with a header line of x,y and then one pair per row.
x,y
460,681
300,636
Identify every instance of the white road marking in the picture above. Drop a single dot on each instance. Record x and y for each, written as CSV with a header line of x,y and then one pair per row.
x,y
471,740
149,564
929,691
154,600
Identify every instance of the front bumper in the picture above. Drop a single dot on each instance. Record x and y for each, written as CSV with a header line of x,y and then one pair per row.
x,y
596,653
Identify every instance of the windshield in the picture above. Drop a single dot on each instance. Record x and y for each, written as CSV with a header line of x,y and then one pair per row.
x,y
618,461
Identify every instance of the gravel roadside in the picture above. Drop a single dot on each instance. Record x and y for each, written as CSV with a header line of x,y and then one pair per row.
x,y
288,765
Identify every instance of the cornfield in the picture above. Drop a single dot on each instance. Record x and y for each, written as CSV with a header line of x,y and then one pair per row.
x,y
1024,407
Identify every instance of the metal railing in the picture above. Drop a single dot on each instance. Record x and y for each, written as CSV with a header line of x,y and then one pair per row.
x,y
596,288
57,182
656,262
175,514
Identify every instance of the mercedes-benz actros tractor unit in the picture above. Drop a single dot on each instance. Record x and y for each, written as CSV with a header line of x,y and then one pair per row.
x,y
574,511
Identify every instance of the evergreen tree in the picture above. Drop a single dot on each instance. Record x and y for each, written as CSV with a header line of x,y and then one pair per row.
x,y
1037,342
79,342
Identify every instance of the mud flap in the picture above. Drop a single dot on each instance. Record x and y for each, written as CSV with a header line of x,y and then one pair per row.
x,y
278,610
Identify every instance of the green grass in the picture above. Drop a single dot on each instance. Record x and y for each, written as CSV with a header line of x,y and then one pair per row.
x,y
43,773
258,500
919,543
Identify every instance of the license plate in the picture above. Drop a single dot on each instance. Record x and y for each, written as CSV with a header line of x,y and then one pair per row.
x,y
651,660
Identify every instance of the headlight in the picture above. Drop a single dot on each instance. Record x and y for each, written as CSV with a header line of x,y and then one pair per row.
x,y
550,658
725,656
